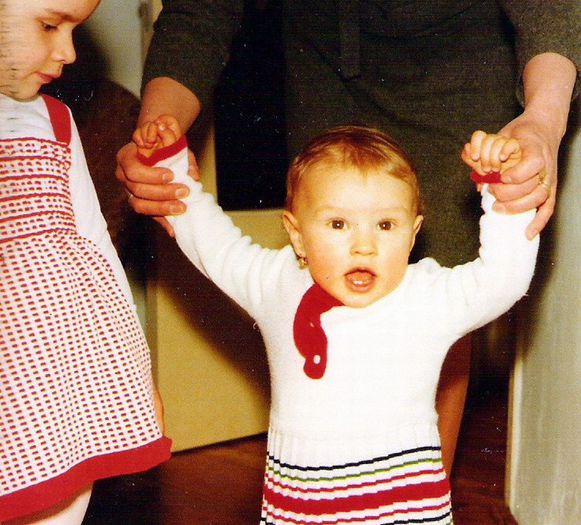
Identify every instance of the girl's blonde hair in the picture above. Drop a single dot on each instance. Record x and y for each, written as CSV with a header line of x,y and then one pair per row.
x,y
363,148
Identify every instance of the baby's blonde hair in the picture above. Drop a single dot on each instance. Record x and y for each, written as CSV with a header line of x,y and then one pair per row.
x,y
363,148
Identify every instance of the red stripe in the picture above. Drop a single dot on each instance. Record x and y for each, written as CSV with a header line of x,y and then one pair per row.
x,y
36,158
31,176
418,492
33,194
164,153
4,240
6,143
43,213
383,515
48,493
323,490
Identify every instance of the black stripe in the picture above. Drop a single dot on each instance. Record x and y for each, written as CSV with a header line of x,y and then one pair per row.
x,y
447,514
354,464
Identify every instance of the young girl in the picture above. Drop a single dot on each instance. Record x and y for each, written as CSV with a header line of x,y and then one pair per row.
x,y
76,391
355,335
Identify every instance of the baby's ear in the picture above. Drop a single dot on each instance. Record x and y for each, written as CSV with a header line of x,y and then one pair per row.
x,y
292,227
417,226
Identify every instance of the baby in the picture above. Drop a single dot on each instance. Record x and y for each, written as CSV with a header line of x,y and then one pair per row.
x,y
355,335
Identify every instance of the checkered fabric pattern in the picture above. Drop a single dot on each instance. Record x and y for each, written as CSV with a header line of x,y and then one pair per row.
x,y
75,373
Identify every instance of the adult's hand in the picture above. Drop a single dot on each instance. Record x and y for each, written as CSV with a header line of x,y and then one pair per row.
x,y
522,189
548,81
150,189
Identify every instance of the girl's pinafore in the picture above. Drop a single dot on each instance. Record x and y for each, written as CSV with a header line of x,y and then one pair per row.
x,y
76,392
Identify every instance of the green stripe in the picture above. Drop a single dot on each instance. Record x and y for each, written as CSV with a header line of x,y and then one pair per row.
x,y
392,469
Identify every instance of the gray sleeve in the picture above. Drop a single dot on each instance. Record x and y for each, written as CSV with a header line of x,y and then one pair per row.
x,y
543,26
191,43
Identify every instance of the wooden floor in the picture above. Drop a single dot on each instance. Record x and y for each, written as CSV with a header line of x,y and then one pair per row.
x,y
221,484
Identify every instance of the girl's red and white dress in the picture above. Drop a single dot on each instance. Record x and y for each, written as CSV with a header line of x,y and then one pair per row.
x,y
76,390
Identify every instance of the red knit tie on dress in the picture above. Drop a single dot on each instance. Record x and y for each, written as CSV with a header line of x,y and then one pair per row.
x,y
308,333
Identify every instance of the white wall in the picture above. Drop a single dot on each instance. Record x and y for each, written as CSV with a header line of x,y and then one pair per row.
x,y
545,463
116,29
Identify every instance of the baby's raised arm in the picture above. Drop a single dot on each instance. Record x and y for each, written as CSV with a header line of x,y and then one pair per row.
x,y
479,291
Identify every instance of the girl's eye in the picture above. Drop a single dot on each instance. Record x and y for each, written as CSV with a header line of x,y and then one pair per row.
x,y
48,27
337,224
385,225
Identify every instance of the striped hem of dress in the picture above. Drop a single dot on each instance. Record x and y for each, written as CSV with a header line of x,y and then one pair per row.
x,y
48,493
406,487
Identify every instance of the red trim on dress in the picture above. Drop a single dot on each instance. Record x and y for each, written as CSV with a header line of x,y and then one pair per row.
x,y
49,493
59,118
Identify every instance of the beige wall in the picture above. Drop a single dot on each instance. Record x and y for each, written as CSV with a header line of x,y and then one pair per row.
x,y
116,29
544,482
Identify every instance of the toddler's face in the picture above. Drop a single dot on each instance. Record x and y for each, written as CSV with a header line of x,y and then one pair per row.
x,y
38,42
356,230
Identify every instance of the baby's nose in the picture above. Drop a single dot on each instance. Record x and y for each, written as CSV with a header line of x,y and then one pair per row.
x,y
363,244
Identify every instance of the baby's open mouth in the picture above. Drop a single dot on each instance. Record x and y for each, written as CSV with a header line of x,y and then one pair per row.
x,y
360,279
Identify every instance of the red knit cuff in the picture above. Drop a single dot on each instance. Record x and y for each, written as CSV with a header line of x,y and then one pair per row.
x,y
164,153
489,178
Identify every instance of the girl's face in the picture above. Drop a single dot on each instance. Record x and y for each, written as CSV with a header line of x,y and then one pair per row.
x,y
39,42
356,231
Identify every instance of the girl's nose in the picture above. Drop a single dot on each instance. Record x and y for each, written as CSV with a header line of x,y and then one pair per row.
x,y
65,49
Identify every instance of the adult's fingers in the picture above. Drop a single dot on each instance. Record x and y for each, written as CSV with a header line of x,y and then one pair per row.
x,y
156,208
130,169
542,217
165,225
527,168
510,192
525,202
148,186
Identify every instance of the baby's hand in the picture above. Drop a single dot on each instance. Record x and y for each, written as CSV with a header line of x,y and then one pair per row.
x,y
160,133
489,155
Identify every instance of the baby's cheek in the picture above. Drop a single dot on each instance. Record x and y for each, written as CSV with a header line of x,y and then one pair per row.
x,y
323,263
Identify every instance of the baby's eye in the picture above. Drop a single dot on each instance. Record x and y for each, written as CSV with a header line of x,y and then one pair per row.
x,y
337,224
385,225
